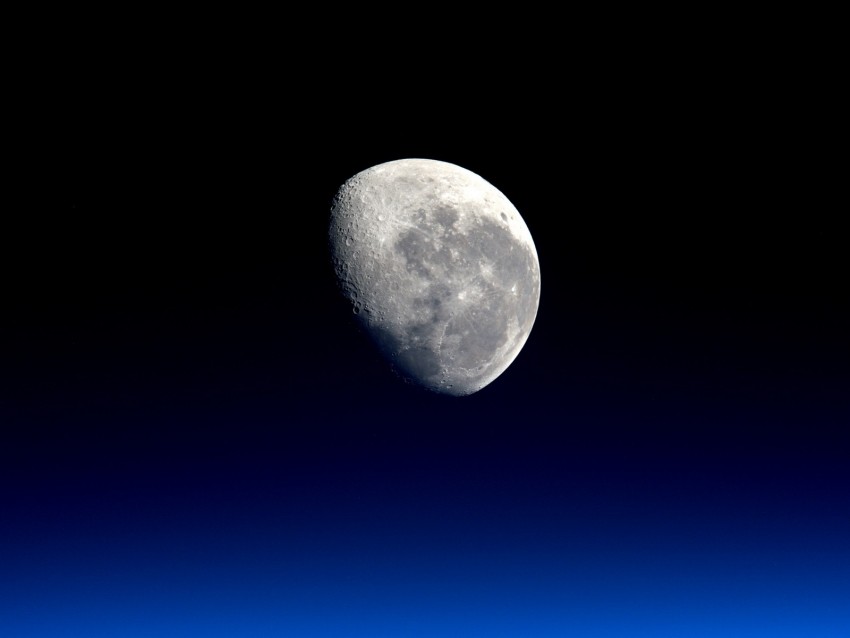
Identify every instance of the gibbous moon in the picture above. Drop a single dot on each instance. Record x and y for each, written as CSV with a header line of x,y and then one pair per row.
x,y
440,271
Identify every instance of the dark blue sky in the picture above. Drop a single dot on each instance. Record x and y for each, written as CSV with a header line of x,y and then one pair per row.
x,y
196,441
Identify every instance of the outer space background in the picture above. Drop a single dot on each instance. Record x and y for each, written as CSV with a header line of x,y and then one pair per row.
x,y
195,441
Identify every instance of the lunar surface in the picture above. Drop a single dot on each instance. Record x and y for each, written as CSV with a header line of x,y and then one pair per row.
x,y
440,271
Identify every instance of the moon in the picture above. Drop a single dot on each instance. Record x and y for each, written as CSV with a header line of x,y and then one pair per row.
x,y
440,271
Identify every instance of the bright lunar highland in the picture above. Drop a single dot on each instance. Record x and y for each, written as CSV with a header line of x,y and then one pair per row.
x,y
440,270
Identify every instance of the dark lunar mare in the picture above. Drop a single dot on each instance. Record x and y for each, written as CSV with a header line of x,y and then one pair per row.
x,y
480,330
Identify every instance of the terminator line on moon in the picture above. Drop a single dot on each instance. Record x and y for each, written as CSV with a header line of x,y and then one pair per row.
x,y
440,270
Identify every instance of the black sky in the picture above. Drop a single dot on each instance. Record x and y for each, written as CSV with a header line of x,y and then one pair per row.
x,y
172,347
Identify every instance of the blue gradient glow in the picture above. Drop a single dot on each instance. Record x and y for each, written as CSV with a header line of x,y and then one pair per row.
x,y
424,533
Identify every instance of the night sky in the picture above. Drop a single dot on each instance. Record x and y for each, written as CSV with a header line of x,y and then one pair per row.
x,y
195,439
